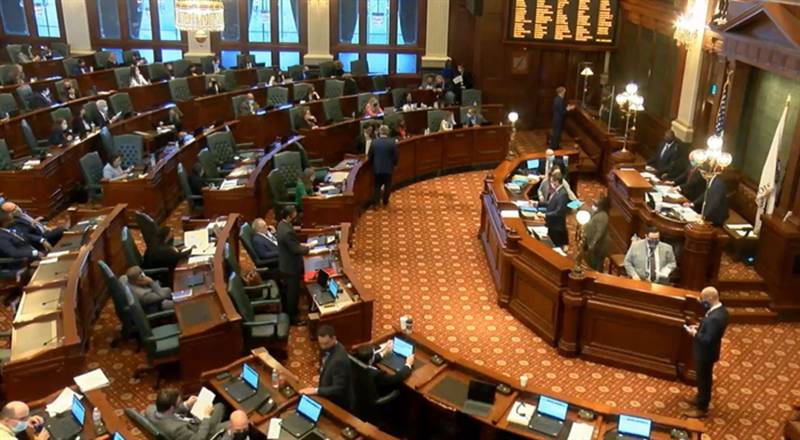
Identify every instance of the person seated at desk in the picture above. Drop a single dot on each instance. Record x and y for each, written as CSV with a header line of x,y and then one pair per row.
x,y
15,418
173,418
163,253
428,83
650,259
400,131
474,118
439,85
112,60
408,103
238,428
249,106
113,170
309,120
40,99
265,242
70,91
80,68
170,72
24,225
13,245
16,76
196,181
448,123
104,117
364,140
595,235
313,95
137,79
278,78
81,125
336,376
667,157
555,217
384,383
213,87
216,66
373,108
338,68
151,295
713,202
61,134
26,56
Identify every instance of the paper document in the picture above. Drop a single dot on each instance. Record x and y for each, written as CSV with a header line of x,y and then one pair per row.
x,y
229,184
205,400
62,403
47,261
538,231
509,213
560,251
57,254
274,431
581,431
197,239
730,226
337,176
649,175
241,171
92,380
200,259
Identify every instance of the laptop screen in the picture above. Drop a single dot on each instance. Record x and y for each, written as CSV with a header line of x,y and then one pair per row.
x,y
553,408
322,278
333,288
533,164
481,391
634,426
309,408
78,411
118,436
249,376
402,348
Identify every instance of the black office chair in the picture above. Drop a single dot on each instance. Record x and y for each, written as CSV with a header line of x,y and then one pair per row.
x,y
270,329
150,229
162,343
195,201
151,431
134,258
268,290
246,237
368,403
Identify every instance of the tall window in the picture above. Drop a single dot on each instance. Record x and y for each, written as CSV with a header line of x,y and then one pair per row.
x,y
384,33
144,25
33,19
166,21
108,15
139,20
14,22
47,18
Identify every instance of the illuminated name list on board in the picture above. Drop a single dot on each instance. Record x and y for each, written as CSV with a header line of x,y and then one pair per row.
x,y
590,22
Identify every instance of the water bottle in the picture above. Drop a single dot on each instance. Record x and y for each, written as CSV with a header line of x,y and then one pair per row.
x,y
276,379
97,418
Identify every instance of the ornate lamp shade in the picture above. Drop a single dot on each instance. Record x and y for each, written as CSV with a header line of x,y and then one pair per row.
x,y
513,117
583,217
200,17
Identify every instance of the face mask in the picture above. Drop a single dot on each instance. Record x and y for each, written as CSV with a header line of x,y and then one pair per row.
x,y
241,435
550,159
594,208
652,243
64,127
706,305
19,427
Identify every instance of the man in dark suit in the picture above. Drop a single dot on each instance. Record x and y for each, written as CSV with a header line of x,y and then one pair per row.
x,y
383,156
265,243
163,253
706,348
335,374
13,245
560,109
550,161
173,418
690,182
555,218
372,383
667,156
715,208
290,262
32,229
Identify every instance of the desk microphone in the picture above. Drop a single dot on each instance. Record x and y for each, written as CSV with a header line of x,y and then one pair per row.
x,y
56,337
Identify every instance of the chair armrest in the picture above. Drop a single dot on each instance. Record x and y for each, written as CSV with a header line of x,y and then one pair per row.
x,y
195,197
156,270
160,315
387,398
154,339
267,302
245,145
253,324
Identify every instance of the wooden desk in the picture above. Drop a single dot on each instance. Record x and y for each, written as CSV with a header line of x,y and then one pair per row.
x,y
333,420
53,342
430,411
92,399
612,320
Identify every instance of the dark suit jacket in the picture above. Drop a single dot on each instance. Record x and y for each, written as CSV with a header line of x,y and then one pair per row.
x,y
58,137
707,341
691,183
557,161
290,252
555,218
78,126
102,120
196,184
163,256
716,206
383,155
665,161
13,245
559,112
265,249
336,378
33,235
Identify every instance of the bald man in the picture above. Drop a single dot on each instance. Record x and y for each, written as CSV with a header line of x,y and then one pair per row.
x,y
238,428
265,243
34,232
15,418
706,347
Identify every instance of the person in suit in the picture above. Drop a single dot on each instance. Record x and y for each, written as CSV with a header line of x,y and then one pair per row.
x,y
384,383
338,68
13,245
560,109
690,183
26,225
383,156
238,428
152,297
70,91
545,190
40,99
595,235
105,118
650,259
474,118
408,103
61,133
80,68
462,81
173,418
196,182
137,79
216,66
163,253
81,124
335,376
713,202
364,140
112,60
555,217
550,161
16,76
667,156
16,418
290,261
213,87
265,243
249,106
706,345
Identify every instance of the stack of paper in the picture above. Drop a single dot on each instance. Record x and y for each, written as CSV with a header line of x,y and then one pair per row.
x,y
28,164
241,171
581,431
274,431
229,184
197,240
203,404
513,187
199,259
509,213
62,403
92,380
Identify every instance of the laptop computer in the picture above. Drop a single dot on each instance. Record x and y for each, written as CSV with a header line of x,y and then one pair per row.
x,y
244,387
480,398
400,351
633,428
327,294
533,164
68,425
549,417
300,422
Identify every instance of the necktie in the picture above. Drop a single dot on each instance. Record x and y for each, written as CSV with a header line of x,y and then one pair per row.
x,y
652,261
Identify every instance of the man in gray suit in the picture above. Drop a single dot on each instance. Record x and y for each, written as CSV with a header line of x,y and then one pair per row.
x,y
650,259
173,418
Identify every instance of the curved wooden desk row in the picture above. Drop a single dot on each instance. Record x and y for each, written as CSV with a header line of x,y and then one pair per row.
x,y
52,328
612,320
52,67
91,400
333,420
419,157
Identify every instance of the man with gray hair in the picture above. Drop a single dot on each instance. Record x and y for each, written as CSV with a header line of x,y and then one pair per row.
x,y
15,418
105,118
152,297
383,156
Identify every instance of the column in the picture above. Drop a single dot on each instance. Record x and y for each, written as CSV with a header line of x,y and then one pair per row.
x,y
197,49
76,26
682,125
319,31
436,32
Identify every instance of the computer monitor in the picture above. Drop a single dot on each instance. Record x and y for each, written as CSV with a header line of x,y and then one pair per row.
x,y
481,391
250,376
552,407
78,411
533,164
118,436
309,408
333,287
402,348
635,426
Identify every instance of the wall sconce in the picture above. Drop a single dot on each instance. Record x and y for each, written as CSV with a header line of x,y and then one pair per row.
x,y
690,25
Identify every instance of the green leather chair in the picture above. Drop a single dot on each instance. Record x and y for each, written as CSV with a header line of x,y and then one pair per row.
x,y
333,110
236,102
61,90
220,80
161,343
471,97
144,425
6,162
5,73
295,72
107,142
363,98
24,95
391,119
296,114
157,72
212,174
398,97
64,113
246,237
92,170
101,59
123,77
37,147
60,48
326,69
334,88
435,119
179,90
69,65
131,147
180,68
121,103
134,258
243,59
194,201
229,80
263,74
8,105
267,290
290,165
13,51
301,92
223,146
261,328
91,111
359,67
207,64
150,229
379,83
130,56
277,96
280,196
306,162
351,87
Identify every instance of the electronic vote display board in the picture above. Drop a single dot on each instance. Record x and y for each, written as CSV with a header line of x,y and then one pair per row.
x,y
574,22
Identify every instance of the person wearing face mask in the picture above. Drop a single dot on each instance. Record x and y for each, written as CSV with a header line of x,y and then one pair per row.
x,y
550,161
290,262
15,418
595,235
706,344
172,416
546,187
238,428
113,170
650,259
61,133
376,383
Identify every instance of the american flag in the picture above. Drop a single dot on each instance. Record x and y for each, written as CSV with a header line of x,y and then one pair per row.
x,y
719,127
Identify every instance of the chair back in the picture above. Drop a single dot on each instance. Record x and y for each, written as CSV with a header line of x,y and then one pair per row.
x,y
92,168
64,113
363,98
435,119
157,72
359,67
236,102
229,80
326,69
69,65
296,114
333,110
101,59
263,74
123,76
183,181
222,146
277,188
91,111
142,325
295,72
130,56
107,141
379,83
180,68
334,88
243,59
132,254
5,73
246,237
207,64
8,105
471,97
60,48
24,94
290,165
231,260
220,80
119,296
304,161
364,407
131,147
30,139
208,163
5,157
179,89
121,103
391,119
144,424
61,89
277,96
351,86
13,51
301,92
239,297
148,227
398,97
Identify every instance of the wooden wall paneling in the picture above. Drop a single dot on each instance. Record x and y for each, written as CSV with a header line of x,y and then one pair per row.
x,y
535,301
